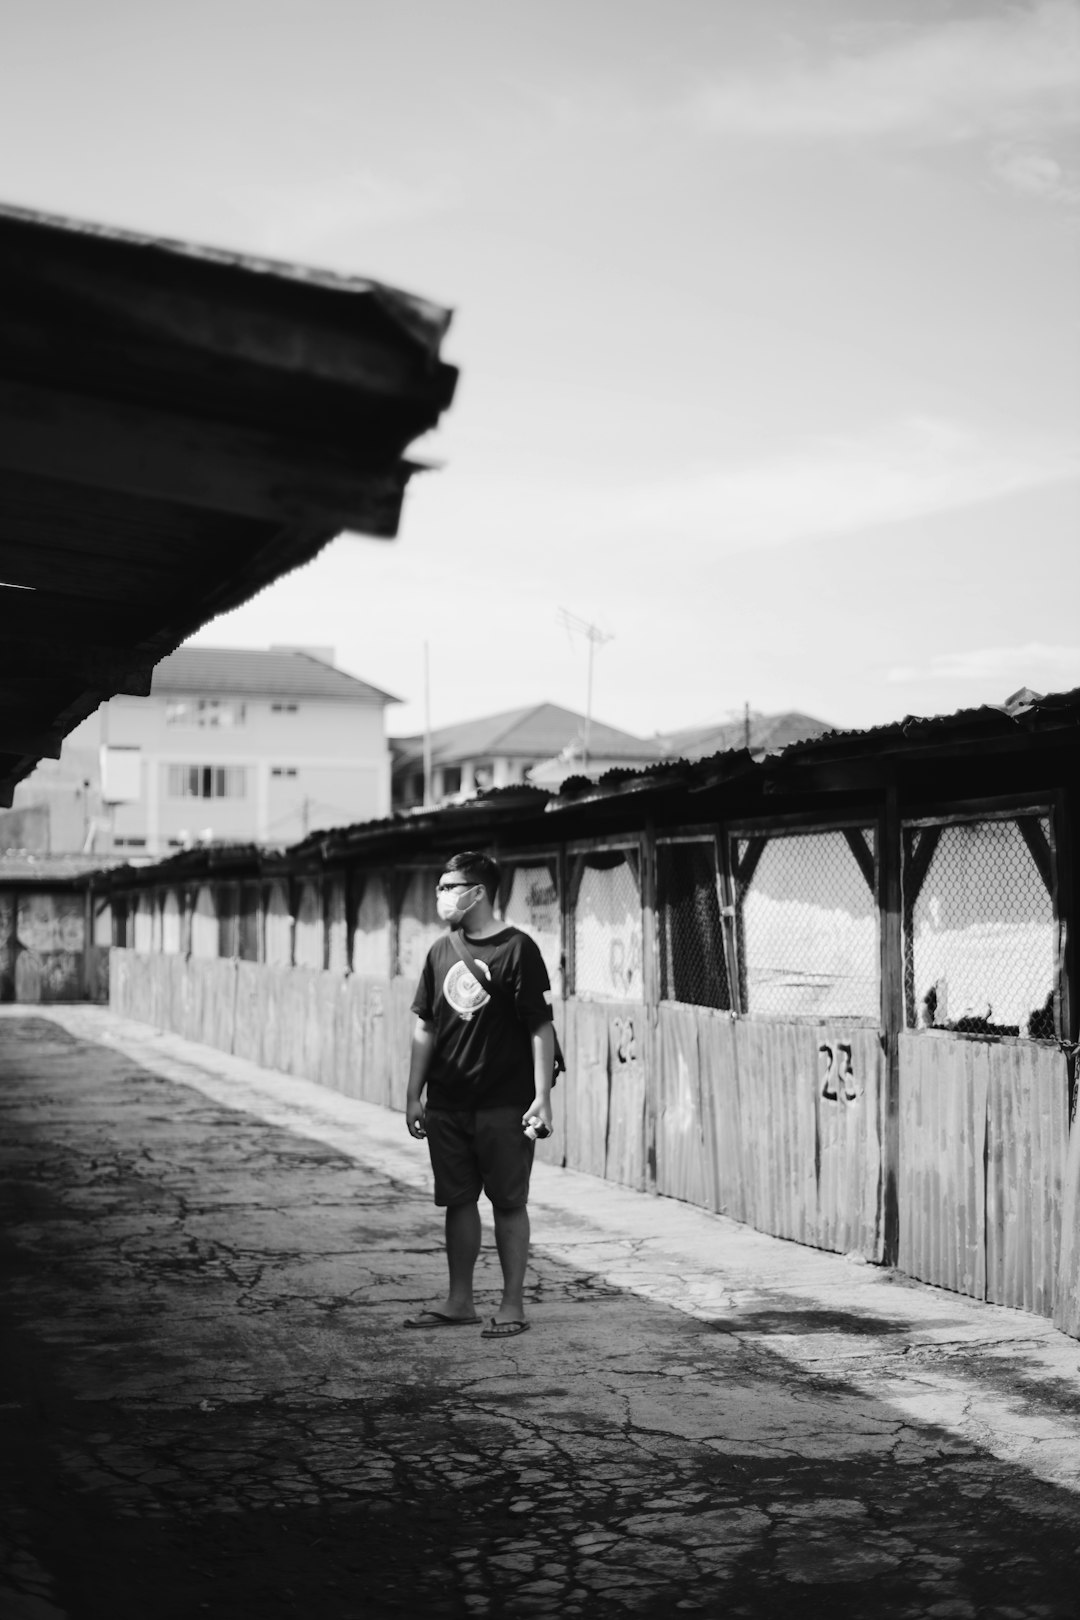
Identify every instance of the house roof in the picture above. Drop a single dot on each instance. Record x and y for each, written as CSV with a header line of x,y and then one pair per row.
x,y
534,733
234,671
768,732
178,428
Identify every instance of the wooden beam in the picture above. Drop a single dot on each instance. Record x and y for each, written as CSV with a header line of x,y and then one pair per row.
x,y
30,744
1039,849
858,846
916,868
104,669
748,865
105,444
890,910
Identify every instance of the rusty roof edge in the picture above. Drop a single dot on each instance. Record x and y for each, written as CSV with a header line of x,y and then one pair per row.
x,y
426,322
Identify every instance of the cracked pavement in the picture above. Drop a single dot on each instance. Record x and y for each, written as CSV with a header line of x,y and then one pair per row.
x,y
211,1407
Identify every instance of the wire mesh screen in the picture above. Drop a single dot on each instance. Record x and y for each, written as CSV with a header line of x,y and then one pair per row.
x,y
226,897
607,930
336,932
103,923
371,936
807,924
249,922
309,947
142,933
979,927
204,924
278,926
692,964
533,906
172,924
418,923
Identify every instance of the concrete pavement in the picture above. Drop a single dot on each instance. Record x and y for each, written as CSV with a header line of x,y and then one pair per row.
x,y
210,1404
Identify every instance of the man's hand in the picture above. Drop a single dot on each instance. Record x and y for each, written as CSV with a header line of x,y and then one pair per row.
x,y
416,1118
539,1109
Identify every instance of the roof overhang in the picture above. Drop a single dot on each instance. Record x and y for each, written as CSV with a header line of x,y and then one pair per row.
x,y
179,428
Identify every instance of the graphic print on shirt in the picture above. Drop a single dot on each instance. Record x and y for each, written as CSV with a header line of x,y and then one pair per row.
x,y
463,993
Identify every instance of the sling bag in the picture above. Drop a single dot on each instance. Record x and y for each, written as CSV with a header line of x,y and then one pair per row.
x,y
482,974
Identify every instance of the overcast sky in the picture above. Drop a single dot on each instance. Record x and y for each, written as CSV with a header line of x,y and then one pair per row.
x,y
767,315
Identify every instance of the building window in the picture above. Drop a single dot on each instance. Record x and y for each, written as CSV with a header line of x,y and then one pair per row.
x,y
215,714
284,708
207,782
283,770
129,843
451,778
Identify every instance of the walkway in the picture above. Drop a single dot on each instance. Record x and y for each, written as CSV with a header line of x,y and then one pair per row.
x,y
210,1406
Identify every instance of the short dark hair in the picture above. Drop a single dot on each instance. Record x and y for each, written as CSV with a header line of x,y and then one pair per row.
x,y
478,868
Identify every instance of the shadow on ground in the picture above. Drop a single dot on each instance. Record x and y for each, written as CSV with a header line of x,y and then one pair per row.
x,y
210,1407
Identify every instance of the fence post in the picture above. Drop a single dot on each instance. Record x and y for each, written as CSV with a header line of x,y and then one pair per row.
x,y
650,991
892,1013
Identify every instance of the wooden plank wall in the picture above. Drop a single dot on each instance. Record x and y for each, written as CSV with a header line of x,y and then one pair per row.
x,y
1027,1142
1067,1290
942,1177
984,1141
684,1168
756,1121
603,1093
772,1123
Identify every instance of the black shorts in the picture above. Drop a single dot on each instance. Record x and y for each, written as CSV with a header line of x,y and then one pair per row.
x,y
479,1150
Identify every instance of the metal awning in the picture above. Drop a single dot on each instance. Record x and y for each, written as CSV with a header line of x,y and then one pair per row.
x,y
178,428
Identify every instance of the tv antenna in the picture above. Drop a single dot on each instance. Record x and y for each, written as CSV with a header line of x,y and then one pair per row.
x,y
596,638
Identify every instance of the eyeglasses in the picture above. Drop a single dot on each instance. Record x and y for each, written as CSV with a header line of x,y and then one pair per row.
x,y
448,888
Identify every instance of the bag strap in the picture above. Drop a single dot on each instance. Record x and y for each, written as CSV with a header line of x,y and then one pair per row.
x,y
480,972
483,976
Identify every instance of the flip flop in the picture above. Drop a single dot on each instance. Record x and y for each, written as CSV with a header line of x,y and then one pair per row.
x,y
439,1319
504,1330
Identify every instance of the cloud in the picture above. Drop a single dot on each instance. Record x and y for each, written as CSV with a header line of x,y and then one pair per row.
x,y
1011,78
1037,663
1026,168
835,485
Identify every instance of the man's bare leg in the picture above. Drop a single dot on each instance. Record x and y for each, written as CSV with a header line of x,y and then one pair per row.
x,y
512,1242
462,1249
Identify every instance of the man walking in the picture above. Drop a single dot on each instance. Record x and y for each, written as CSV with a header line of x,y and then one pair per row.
x,y
484,1050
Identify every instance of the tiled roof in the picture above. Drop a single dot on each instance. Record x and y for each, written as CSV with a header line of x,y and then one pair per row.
x,y
535,733
768,732
233,671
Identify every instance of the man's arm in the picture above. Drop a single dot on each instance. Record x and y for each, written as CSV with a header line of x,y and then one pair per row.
x,y
423,1045
543,1049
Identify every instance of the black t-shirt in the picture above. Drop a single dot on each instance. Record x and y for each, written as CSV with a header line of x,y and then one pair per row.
x,y
483,1042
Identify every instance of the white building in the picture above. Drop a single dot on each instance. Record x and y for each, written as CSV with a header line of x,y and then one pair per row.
x,y
230,747
541,745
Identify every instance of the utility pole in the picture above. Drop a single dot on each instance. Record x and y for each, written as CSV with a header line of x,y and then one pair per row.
x,y
427,728
596,638
746,726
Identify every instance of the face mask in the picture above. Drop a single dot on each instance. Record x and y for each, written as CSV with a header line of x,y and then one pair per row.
x,y
450,907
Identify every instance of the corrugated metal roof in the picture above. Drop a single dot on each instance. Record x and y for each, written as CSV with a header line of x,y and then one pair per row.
x,y
218,670
969,733
19,867
538,732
